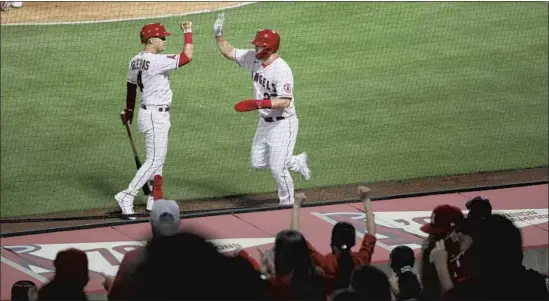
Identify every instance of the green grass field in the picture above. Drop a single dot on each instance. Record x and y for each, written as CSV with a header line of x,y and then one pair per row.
x,y
384,91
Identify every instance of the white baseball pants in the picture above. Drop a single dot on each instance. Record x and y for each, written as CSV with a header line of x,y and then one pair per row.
x,y
155,126
273,147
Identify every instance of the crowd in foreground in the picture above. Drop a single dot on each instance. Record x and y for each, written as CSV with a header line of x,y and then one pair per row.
x,y
473,257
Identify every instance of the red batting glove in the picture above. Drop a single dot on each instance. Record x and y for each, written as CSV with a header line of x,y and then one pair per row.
x,y
126,116
252,104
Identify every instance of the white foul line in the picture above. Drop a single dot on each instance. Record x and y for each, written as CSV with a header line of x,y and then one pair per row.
x,y
135,18
24,270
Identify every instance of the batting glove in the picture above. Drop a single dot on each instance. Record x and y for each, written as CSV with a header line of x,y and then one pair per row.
x,y
252,104
218,25
126,116
187,26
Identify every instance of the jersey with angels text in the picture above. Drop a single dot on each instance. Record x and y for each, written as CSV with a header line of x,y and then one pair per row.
x,y
151,74
274,80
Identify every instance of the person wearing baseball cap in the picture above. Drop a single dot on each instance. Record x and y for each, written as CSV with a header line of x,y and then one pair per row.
x,y
444,220
165,221
479,208
446,225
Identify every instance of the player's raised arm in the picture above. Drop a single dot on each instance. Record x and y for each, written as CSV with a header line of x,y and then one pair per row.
x,y
224,46
188,49
300,198
364,193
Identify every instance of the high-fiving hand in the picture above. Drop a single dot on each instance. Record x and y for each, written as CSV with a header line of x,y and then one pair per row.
x,y
187,26
218,25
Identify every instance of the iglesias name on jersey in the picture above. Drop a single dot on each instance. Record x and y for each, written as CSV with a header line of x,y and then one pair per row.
x,y
150,72
274,80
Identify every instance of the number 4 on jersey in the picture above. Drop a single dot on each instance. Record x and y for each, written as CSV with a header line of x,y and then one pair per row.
x,y
140,81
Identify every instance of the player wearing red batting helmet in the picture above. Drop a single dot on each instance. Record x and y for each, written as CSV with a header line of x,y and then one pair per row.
x,y
153,30
273,82
267,42
148,72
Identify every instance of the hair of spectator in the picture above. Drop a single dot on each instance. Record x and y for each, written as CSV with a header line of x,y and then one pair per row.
x,y
496,247
408,286
189,255
400,257
246,281
342,240
71,266
402,260
292,256
20,290
345,295
371,283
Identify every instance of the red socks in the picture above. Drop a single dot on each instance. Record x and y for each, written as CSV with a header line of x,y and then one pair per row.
x,y
157,191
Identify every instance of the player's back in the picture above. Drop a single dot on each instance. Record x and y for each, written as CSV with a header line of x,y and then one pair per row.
x,y
151,74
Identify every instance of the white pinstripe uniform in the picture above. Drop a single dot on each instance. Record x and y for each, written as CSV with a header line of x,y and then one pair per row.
x,y
151,74
274,141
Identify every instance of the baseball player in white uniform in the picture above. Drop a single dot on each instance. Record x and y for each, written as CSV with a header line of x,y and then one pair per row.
x,y
273,81
149,71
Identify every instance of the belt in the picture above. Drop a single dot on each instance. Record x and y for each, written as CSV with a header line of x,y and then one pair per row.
x,y
270,119
160,109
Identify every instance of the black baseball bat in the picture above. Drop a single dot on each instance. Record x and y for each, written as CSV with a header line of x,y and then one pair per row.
x,y
146,189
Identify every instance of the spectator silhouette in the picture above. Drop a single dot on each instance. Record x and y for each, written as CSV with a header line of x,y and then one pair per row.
x,y
497,273
367,283
480,209
289,269
446,225
24,290
71,277
405,283
165,221
339,264
185,266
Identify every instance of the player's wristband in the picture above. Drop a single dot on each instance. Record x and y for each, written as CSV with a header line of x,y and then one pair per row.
x,y
188,38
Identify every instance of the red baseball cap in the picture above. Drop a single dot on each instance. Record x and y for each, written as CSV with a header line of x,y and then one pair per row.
x,y
444,219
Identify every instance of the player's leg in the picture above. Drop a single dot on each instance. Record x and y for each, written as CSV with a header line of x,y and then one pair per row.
x,y
155,183
281,139
155,127
298,163
260,150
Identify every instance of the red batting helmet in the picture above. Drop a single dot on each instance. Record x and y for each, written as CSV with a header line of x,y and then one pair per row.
x,y
153,30
268,39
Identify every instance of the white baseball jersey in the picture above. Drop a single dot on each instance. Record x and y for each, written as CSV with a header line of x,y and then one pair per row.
x,y
151,74
271,81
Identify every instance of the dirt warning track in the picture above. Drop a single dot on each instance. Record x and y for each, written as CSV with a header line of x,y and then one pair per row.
x,y
37,13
